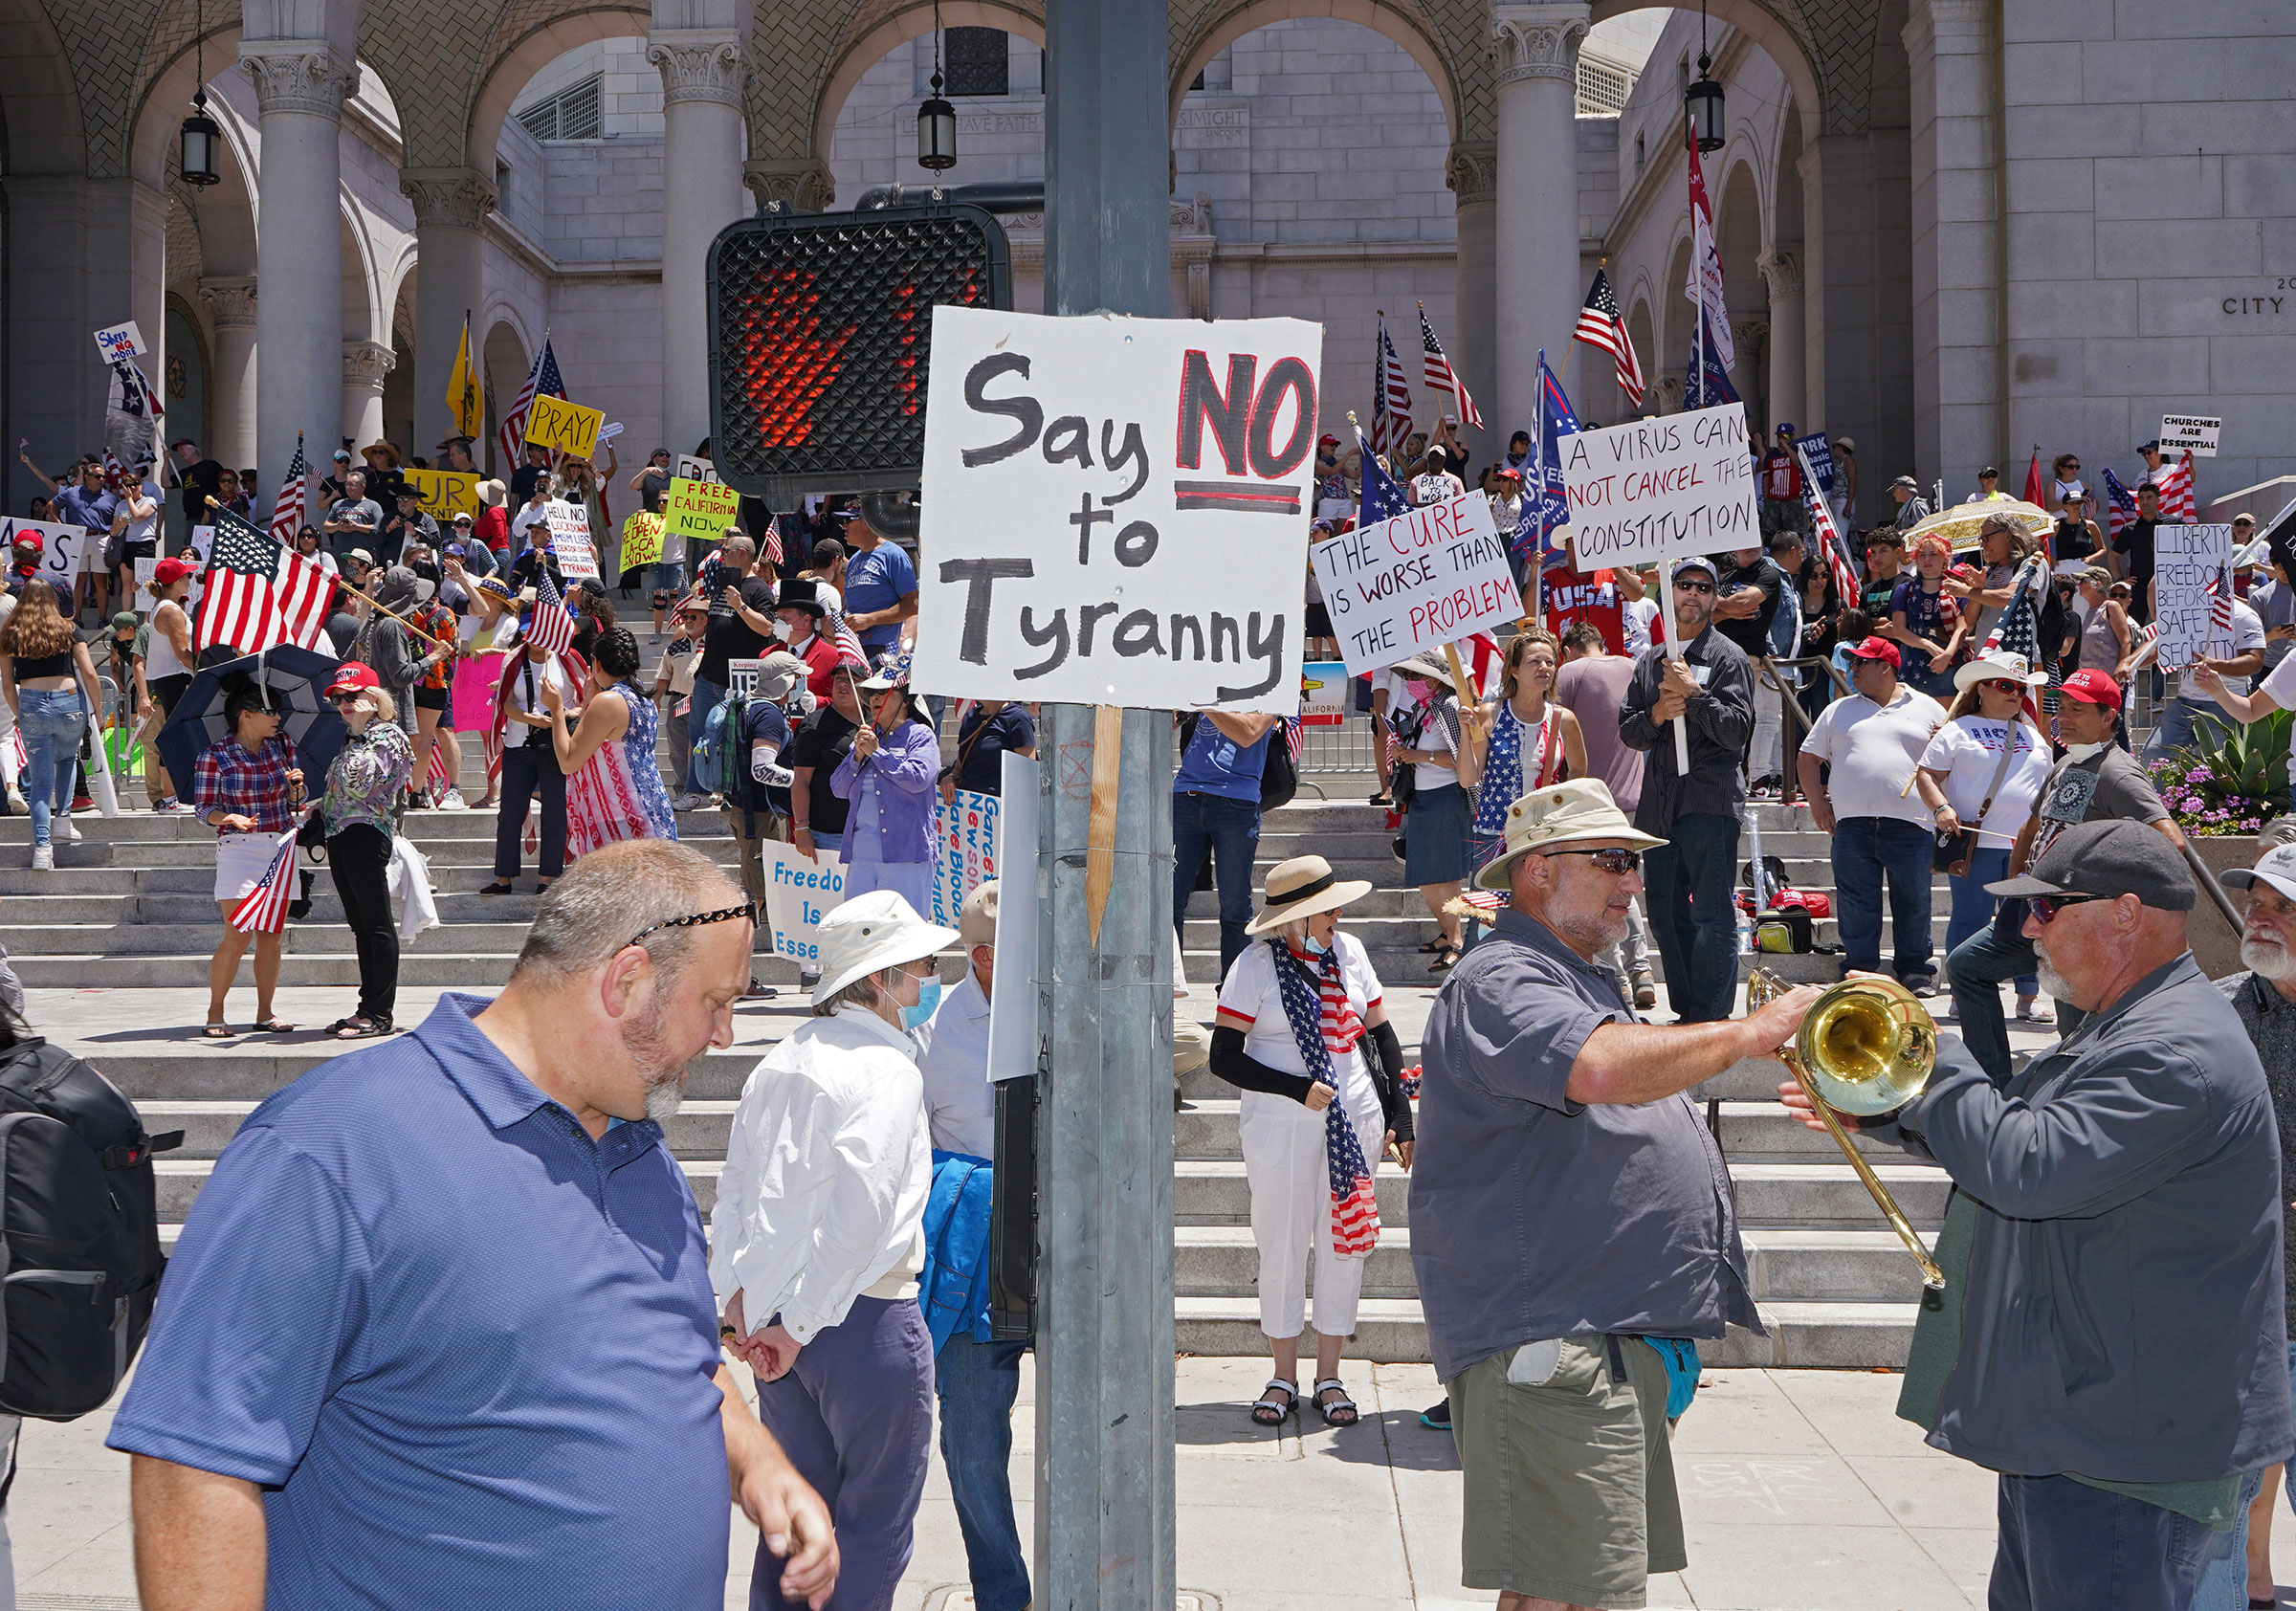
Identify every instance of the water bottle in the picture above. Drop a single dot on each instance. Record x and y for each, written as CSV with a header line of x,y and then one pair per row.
x,y
1745,927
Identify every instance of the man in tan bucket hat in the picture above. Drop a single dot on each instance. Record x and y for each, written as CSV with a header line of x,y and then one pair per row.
x,y
1567,1205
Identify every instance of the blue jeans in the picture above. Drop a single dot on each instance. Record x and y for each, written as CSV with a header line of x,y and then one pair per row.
x,y
1868,850
1231,829
2176,731
977,1382
2223,1584
1688,886
50,720
708,695
2064,1546
1973,907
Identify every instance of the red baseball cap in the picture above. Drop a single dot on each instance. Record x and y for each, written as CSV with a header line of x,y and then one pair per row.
x,y
171,570
2093,688
352,677
1327,440
1876,648
30,541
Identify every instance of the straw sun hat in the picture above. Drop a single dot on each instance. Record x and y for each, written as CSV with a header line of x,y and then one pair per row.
x,y
1301,887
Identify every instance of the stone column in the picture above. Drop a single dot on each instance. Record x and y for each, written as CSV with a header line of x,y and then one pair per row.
x,y
1537,291
702,74
800,183
365,365
1788,378
450,205
301,86
231,304
1474,175
1959,259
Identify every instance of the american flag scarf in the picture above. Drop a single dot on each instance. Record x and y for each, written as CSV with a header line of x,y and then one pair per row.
x,y
263,908
1315,1026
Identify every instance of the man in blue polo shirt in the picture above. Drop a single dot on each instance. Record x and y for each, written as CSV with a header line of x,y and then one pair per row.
x,y
880,588
439,1333
1215,812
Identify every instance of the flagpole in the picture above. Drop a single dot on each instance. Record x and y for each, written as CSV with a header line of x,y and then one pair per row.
x,y
1539,465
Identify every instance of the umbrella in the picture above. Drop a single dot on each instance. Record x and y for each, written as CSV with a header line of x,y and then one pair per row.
x,y
1960,524
297,679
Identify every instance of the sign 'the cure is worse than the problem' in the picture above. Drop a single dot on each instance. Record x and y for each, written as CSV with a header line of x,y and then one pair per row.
x,y
1115,510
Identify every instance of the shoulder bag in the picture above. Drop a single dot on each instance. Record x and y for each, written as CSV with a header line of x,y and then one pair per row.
x,y
1954,851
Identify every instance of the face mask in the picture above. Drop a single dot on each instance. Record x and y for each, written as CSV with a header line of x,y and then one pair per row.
x,y
2086,752
928,998
1315,947
780,630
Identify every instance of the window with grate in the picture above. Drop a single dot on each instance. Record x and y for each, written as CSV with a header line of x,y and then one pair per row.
x,y
573,113
978,61
1603,88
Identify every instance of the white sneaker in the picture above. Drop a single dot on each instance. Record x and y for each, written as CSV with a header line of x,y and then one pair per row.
x,y
15,799
452,801
43,858
71,830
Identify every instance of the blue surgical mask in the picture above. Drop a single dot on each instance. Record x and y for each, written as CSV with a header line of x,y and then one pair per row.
x,y
1315,947
928,998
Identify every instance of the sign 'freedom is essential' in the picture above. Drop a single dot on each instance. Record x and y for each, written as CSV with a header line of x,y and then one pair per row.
x,y
1115,510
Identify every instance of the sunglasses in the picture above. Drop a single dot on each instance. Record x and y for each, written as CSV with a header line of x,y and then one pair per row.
x,y
2075,465
349,696
2045,908
724,914
1693,586
2001,685
1612,860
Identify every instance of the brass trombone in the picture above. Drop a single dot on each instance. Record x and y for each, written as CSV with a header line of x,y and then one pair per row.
x,y
1867,1047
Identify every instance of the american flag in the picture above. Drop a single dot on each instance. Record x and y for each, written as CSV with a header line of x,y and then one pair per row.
x,y
287,514
2120,505
115,474
1705,284
1295,737
1601,327
773,540
848,641
1354,1223
257,594
1390,400
2176,499
132,395
263,908
2017,630
551,629
542,381
1440,375
2219,603
1382,496
1829,534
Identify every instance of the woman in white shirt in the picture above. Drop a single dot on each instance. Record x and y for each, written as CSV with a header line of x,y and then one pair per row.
x,y
1320,1105
818,1235
1964,781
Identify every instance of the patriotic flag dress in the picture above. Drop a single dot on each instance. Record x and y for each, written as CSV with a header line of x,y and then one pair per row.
x,y
618,794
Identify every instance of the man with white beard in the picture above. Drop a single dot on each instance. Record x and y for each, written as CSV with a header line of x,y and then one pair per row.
x,y
439,1333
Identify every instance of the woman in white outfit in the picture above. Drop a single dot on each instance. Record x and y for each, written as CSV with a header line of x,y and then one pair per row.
x,y
1303,1030
818,1235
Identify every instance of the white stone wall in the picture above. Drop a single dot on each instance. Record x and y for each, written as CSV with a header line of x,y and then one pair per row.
x,y
630,93
604,200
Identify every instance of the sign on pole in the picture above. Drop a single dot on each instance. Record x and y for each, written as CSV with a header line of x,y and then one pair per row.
x,y
1012,1031
699,511
800,891
116,342
1430,576
640,540
965,854
444,494
552,422
1115,510
1818,453
2189,433
1656,489
1322,693
2187,561
571,539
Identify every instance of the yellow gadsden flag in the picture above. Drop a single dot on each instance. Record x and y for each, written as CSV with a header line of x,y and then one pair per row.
x,y
465,397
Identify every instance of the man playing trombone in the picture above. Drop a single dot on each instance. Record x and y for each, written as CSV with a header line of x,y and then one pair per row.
x,y
2110,1337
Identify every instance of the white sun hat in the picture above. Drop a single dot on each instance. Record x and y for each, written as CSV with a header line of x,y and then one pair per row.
x,y
2000,663
878,930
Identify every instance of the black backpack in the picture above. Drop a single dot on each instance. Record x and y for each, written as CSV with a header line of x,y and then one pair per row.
x,y
79,1233
1279,774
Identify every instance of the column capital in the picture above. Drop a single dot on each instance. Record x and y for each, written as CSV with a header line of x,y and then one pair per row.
x,y
230,301
303,76
1782,270
457,197
1472,171
698,65
366,362
801,184
1749,333
1538,41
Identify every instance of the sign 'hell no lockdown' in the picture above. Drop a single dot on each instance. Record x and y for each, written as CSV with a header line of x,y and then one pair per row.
x,y
1115,510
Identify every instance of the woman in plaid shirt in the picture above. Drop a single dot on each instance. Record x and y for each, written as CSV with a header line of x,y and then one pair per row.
x,y
246,787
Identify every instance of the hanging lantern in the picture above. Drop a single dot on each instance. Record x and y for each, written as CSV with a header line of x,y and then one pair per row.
x,y
201,145
936,132
1703,102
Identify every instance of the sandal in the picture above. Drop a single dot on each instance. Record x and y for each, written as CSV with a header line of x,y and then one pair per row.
x,y
272,1026
1266,1412
359,1027
1338,1411
217,1033
1432,946
1448,960
497,888
2035,1012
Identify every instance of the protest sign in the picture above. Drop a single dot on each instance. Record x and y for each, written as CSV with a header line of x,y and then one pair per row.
x,y
640,540
1655,490
1430,576
203,541
741,677
552,422
1322,693
116,342
147,571
1115,510
699,511
1818,455
63,547
2192,433
2188,560
571,539
799,893
690,467
964,857
444,494
1012,1033
476,681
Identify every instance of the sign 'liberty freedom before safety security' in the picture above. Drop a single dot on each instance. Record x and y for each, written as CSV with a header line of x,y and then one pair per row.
x,y
1115,510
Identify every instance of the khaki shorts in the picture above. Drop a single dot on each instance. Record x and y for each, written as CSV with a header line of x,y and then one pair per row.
x,y
1570,1487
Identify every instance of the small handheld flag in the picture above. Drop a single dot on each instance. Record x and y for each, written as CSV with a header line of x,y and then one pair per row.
x,y
1599,326
263,908
1441,377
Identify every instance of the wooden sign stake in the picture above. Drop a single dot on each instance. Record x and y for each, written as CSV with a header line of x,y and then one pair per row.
x,y
1100,841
